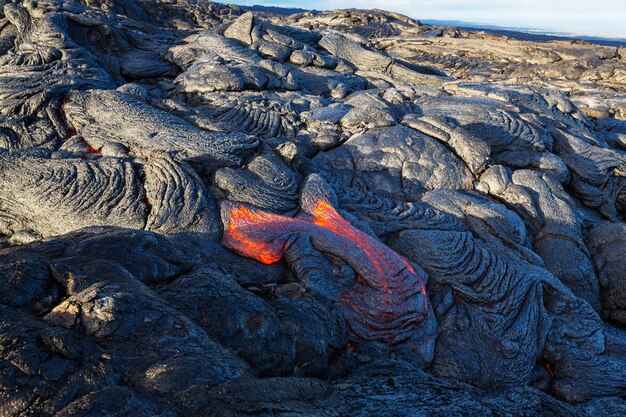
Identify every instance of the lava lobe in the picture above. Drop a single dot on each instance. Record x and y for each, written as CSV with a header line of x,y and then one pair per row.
x,y
386,303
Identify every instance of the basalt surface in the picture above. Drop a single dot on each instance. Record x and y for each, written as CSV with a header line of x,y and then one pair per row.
x,y
593,75
210,212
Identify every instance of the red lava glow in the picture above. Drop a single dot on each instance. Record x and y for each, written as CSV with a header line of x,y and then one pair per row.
x,y
254,233
325,216
549,367
96,151
241,220
351,346
387,302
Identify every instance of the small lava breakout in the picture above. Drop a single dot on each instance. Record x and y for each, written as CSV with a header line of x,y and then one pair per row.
x,y
386,301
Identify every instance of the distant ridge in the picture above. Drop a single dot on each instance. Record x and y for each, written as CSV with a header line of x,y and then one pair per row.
x,y
528,34
274,9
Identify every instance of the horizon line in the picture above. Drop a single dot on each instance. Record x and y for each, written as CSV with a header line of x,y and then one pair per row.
x,y
558,32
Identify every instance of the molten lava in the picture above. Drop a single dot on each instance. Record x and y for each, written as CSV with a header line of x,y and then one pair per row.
x,y
242,239
387,302
549,367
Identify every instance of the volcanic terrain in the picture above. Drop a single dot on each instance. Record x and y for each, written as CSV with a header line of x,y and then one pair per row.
x,y
211,211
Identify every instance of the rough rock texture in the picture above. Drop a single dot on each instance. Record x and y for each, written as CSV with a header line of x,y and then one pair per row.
x,y
210,211
386,299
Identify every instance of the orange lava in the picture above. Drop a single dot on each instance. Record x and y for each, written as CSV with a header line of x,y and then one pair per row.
x,y
241,220
387,302
255,234
325,215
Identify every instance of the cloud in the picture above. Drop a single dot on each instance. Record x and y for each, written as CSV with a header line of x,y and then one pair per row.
x,y
577,16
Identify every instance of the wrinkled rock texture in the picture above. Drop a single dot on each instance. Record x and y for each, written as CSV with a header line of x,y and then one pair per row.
x,y
422,220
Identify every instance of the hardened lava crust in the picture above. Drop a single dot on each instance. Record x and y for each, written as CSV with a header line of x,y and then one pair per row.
x,y
211,210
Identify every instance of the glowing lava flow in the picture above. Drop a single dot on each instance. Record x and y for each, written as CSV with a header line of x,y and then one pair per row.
x,y
389,304
243,234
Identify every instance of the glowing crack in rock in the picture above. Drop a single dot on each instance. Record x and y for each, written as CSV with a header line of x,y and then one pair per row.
x,y
386,303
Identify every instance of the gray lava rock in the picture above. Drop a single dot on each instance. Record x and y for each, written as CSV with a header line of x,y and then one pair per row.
x,y
427,245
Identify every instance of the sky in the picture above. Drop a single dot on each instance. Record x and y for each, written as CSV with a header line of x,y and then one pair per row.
x,y
586,17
